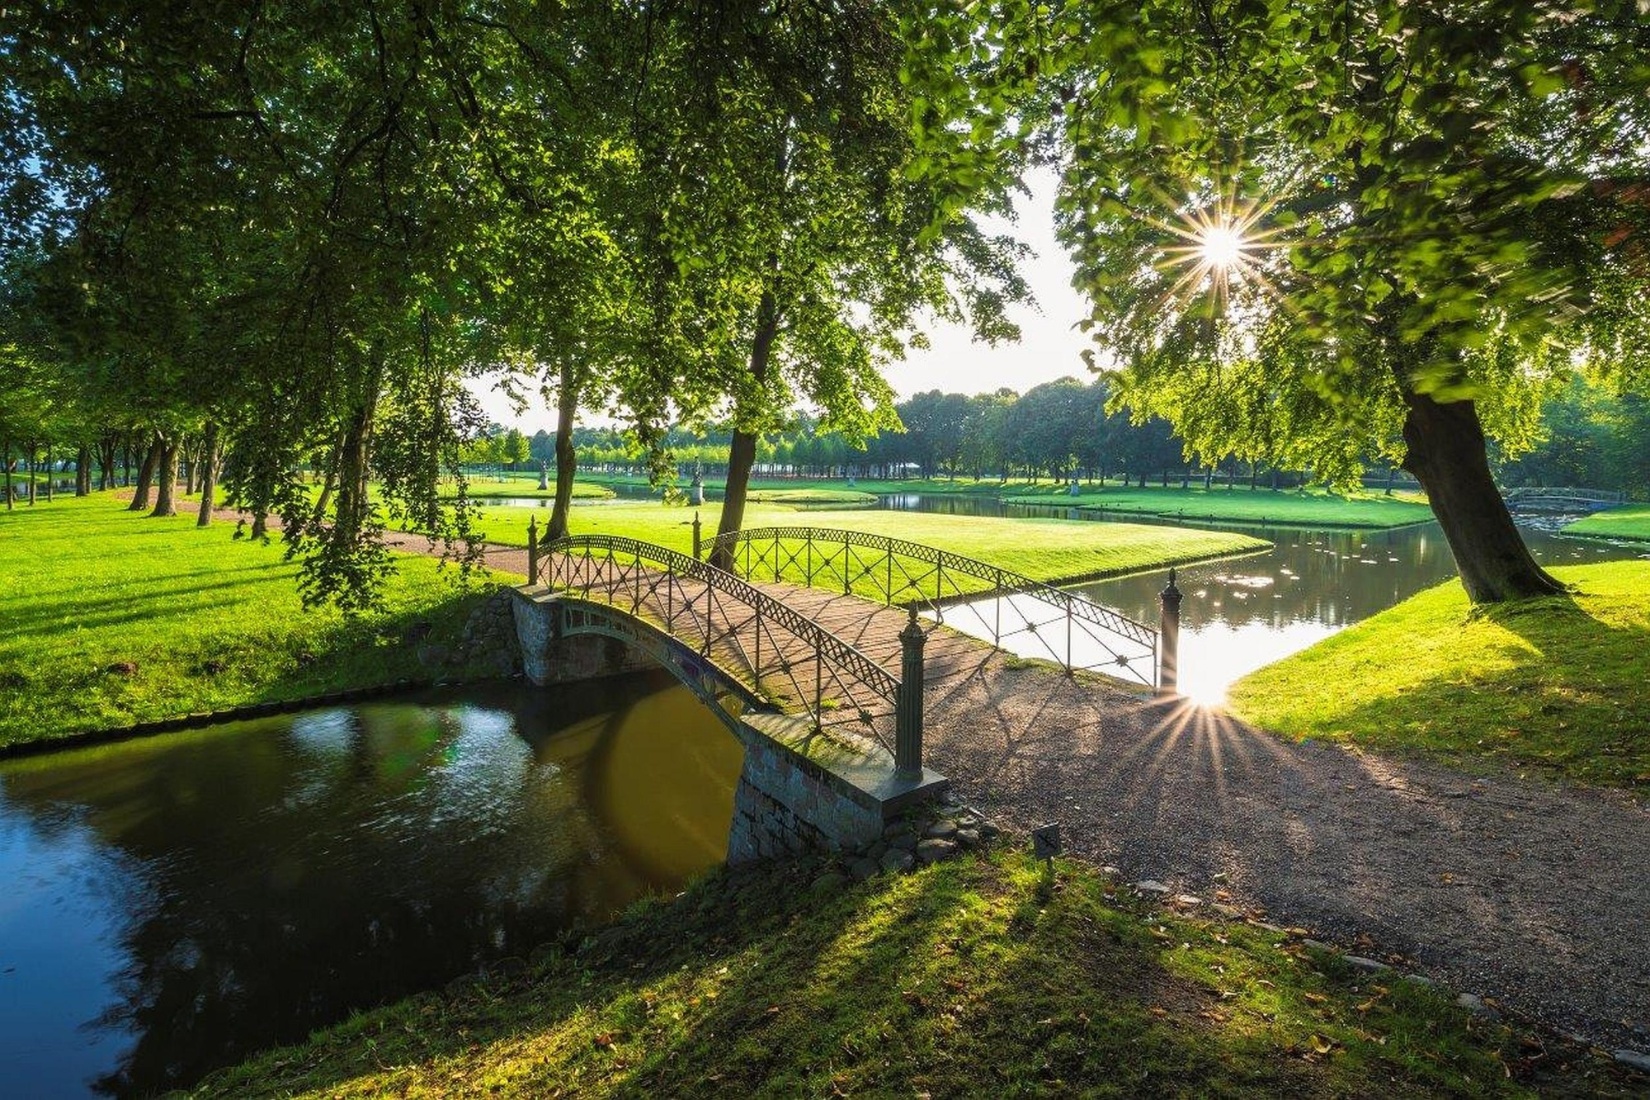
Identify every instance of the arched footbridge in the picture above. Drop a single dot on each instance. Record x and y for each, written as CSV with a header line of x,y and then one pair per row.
x,y
803,623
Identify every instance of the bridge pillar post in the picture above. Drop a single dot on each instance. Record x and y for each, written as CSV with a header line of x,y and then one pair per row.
x,y
697,556
532,549
908,705
1168,662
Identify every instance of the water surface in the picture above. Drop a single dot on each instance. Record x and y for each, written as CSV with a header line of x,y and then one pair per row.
x,y
174,903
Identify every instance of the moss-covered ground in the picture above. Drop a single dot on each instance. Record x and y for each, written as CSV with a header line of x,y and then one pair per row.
x,y
110,618
974,978
1559,684
1631,522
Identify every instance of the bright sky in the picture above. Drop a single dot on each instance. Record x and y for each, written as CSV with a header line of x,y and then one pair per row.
x,y
1049,346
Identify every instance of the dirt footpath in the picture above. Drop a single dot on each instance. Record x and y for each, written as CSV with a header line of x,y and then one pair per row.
x,y
1523,891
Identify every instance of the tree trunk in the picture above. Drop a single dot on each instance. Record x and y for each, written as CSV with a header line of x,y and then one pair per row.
x,y
49,472
1448,457
5,463
146,477
167,478
83,471
329,480
567,404
191,467
30,468
209,474
106,462
742,450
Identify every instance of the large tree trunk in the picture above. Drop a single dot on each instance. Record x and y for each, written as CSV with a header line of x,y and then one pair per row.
x,y
742,450
167,479
146,477
209,474
1448,457
567,405
83,471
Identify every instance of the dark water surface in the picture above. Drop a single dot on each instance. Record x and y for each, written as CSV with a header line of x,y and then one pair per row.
x,y
175,902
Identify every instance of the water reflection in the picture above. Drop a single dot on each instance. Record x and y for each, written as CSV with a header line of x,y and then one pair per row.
x,y
1239,615
181,901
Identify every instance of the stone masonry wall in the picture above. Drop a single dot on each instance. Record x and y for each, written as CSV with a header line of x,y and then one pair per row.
x,y
784,806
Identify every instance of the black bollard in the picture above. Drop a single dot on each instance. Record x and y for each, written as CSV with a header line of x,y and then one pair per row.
x,y
1168,668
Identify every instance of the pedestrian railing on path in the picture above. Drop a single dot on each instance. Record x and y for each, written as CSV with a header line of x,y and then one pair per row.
x,y
793,662
970,595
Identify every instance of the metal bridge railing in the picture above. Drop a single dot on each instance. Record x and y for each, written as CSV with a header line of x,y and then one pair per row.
x,y
962,592
784,656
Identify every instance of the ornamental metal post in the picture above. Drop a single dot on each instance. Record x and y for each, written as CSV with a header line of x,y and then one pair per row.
x,y
532,549
1168,674
908,703
696,556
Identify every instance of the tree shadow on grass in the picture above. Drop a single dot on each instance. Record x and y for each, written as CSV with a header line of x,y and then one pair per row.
x,y
1563,690
974,978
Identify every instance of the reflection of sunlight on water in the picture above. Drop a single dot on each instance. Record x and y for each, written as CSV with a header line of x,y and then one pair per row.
x,y
1214,655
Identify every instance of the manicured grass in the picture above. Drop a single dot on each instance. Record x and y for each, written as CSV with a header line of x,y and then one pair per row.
x,y
811,496
1631,522
927,485
1046,549
1557,684
111,618
485,487
974,978
1313,508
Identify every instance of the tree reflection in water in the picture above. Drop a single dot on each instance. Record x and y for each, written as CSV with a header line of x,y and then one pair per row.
x,y
268,877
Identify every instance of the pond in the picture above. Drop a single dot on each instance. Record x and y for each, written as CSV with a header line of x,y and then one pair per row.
x,y
1240,614
173,903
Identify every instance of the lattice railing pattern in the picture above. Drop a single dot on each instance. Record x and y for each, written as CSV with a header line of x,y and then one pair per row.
x,y
781,655
979,598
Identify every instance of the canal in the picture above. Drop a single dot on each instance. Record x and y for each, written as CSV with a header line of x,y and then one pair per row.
x,y
173,903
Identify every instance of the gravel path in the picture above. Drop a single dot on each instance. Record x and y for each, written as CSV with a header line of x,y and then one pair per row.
x,y
1526,892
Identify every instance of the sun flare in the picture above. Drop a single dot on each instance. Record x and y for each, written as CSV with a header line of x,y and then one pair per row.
x,y
1222,246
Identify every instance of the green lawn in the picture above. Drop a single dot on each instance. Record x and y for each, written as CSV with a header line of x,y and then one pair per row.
x,y
931,485
974,978
111,618
1557,684
1631,522
1313,508
1046,549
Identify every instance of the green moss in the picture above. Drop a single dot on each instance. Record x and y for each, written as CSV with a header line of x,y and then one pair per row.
x,y
112,618
977,977
1556,684
1631,522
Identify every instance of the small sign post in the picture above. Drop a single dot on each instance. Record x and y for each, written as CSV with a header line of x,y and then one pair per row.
x,y
1045,842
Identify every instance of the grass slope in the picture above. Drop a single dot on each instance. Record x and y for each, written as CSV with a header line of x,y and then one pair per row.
x,y
970,978
1046,549
207,622
1260,506
1631,522
1557,683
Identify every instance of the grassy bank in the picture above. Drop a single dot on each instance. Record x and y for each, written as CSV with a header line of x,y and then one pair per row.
x,y
1046,549
112,618
931,486
970,978
1556,684
1313,508
1631,522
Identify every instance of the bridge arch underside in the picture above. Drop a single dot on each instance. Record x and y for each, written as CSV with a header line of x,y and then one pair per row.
x,y
722,692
